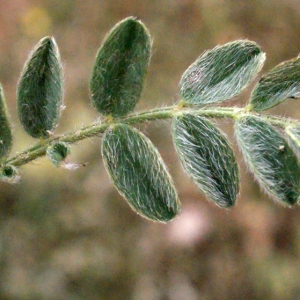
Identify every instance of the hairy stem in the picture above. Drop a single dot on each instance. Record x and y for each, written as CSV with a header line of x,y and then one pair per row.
x,y
169,112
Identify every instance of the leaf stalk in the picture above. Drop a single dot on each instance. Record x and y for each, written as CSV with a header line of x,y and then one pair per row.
x,y
169,112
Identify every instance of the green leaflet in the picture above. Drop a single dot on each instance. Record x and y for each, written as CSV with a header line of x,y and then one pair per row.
x,y
277,85
120,68
5,129
40,89
221,73
57,153
207,158
270,158
139,173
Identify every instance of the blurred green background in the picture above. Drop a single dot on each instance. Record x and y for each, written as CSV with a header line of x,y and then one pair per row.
x,y
69,235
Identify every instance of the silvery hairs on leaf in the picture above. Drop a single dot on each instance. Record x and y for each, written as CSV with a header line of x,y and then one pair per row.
x,y
276,86
274,164
207,158
120,68
5,129
221,73
139,174
292,133
40,89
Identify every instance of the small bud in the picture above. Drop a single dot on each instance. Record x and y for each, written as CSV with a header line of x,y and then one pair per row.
x,y
58,152
9,174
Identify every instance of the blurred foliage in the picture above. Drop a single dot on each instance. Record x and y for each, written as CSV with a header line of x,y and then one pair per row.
x,y
69,235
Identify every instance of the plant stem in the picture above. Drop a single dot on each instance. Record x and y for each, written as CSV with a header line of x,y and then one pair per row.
x,y
169,112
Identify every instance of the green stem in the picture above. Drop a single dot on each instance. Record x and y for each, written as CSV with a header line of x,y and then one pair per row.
x,y
169,112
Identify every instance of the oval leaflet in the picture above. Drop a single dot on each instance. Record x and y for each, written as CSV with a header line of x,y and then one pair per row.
x,y
120,68
139,174
40,89
276,86
221,73
272,161
207,158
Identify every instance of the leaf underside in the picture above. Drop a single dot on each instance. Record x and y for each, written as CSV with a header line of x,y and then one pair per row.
x,y
207,158
139,174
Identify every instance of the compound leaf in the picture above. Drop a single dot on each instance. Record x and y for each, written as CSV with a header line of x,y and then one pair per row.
x,y
5,129
139,174
40,89
276,86
207,158
274,164
221,73
120,68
